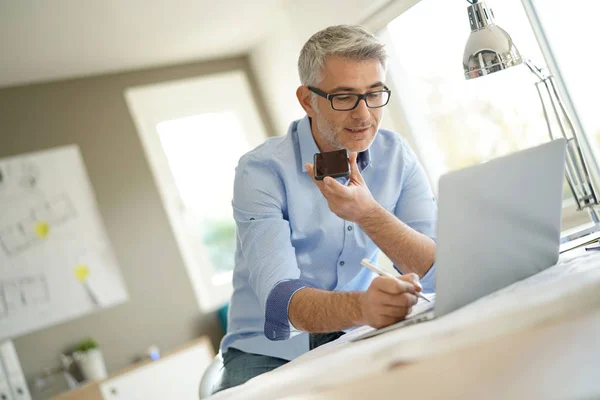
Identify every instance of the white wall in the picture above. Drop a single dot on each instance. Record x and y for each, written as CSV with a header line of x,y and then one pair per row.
x,y
274,65
274,61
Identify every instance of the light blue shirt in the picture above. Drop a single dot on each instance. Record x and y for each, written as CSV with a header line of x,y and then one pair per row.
x,y
288,238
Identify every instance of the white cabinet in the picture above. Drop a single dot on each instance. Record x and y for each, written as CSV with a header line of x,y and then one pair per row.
x,y
176,376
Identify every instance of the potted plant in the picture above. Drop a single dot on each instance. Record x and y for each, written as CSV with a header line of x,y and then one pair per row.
x,y
89,358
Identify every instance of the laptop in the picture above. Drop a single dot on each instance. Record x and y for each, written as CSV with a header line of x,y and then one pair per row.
x,y
498,223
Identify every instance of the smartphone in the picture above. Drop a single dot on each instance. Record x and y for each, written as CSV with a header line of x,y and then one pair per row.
x,y
332,163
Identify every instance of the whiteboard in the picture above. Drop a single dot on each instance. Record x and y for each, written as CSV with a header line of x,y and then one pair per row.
x,y
56,262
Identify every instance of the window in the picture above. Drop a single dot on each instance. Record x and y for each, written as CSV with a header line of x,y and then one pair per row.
x,y
194,132
466,122
205,180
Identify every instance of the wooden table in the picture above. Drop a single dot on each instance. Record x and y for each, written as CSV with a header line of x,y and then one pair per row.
x,y
556,360
538,338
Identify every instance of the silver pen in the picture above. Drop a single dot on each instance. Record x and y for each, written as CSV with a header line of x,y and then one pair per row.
x,y
381,272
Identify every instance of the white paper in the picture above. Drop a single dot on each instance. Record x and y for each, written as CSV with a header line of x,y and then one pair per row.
x,y
570,286
49,227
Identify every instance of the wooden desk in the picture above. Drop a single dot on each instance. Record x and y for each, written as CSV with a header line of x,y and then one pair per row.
x,y
557,360
538,338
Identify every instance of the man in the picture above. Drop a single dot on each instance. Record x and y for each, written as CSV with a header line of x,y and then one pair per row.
x,y
298,282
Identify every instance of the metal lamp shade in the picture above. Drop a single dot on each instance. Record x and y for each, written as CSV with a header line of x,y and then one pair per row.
x,y
489,48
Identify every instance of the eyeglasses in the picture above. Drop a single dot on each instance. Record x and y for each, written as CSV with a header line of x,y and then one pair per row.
x,y
349,101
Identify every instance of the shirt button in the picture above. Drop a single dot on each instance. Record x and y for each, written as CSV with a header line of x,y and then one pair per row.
x,y
350,228
342,263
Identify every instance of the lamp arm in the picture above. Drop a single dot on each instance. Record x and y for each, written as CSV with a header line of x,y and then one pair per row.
x,y
569,175
577,172
535,69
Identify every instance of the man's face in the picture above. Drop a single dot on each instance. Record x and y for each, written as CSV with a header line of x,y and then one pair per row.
x,y
353,130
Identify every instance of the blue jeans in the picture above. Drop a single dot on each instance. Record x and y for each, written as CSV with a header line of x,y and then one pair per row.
x,y
239,366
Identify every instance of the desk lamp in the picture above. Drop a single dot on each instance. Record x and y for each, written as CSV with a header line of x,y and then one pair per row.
x,y
490,49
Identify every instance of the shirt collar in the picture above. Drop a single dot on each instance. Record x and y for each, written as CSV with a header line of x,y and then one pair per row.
x,y
308,146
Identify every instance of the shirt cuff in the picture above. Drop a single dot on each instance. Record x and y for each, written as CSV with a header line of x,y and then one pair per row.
x,y
428,280
277,322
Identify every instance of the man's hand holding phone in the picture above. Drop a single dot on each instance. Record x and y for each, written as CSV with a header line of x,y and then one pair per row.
x,y
350,202
333,163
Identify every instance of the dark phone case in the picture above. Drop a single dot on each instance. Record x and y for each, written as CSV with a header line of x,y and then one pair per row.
x,y
321,177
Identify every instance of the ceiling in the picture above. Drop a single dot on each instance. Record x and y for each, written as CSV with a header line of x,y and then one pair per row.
x,y
49,40
58,39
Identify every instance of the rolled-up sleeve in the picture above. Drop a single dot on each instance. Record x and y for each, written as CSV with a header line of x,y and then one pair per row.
x,y
264,240
417,206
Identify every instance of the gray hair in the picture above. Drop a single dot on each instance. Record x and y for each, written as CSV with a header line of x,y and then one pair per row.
x,y
348,41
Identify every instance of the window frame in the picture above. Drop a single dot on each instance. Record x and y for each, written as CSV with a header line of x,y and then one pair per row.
x,y
212,289
378,22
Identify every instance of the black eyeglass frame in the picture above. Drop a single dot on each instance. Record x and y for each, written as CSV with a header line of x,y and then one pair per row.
x,y
360,97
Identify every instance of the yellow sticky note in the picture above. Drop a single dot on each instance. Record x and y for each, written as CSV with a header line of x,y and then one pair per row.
x,y
42,229
81,272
